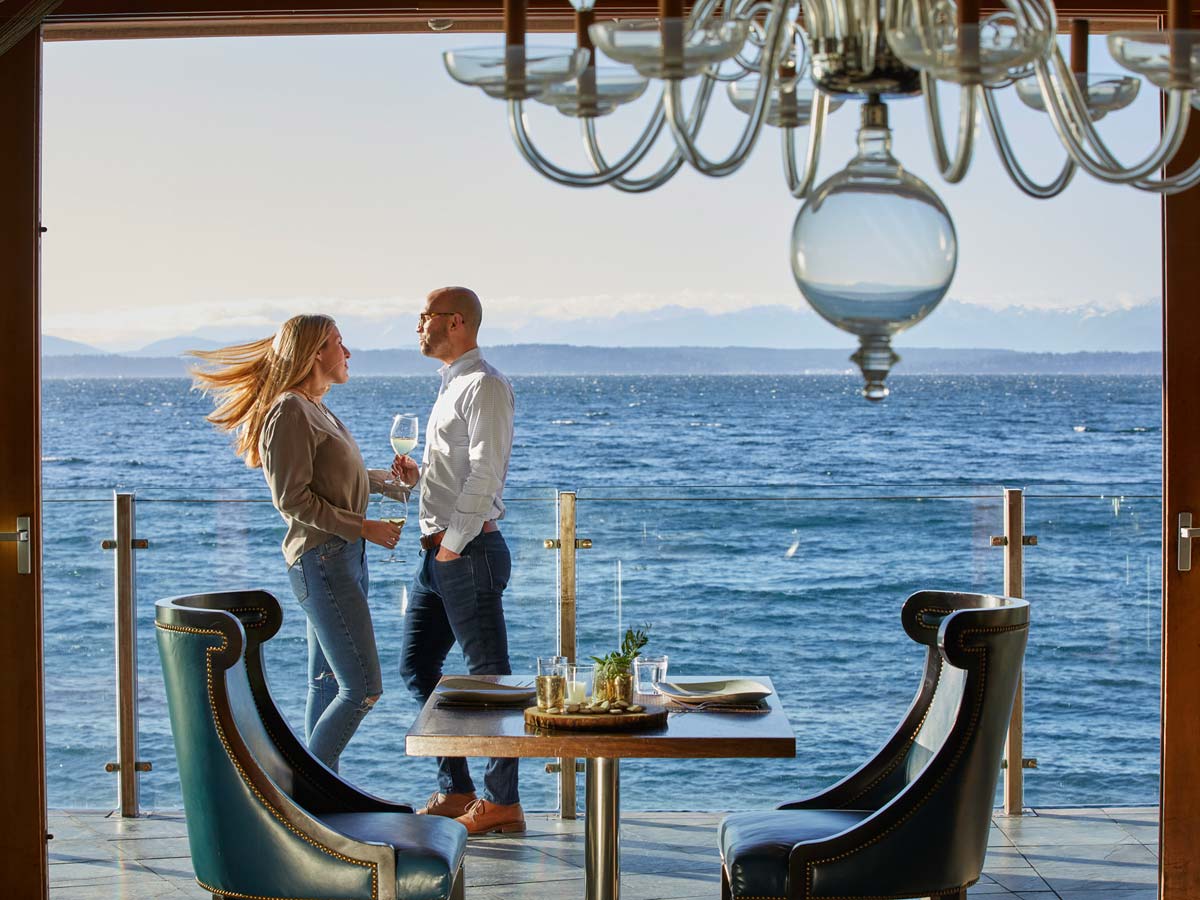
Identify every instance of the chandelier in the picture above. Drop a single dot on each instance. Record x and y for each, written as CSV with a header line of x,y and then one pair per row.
x,y
873,249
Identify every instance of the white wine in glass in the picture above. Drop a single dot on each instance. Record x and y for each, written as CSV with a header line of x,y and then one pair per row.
x,y
404,433
393,506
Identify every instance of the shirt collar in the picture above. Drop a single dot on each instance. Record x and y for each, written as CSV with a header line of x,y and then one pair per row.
x,y
460,365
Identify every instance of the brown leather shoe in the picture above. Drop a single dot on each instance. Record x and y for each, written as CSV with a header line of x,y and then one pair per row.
x,y
449,805
484,817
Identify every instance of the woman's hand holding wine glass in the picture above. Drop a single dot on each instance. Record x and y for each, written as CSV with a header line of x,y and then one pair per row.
x,y
381,532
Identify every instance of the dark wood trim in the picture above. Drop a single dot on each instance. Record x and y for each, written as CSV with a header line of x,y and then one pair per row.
x,y
111,19
1179,834
23,870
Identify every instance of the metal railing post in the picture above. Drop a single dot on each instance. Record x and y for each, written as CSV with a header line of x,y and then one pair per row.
x,y
1014,586
124,543
566,629
1014,542
566,544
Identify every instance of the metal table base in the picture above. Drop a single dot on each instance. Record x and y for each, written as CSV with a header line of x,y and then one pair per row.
x,y
602,829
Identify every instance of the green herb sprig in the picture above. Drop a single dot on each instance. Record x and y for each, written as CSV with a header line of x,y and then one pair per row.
x,y
622,660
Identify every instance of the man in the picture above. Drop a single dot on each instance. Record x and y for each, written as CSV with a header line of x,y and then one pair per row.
x,y
457,592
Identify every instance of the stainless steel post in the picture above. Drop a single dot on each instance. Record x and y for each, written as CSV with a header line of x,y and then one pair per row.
x,y
602,830
1014,586
566,630
125,609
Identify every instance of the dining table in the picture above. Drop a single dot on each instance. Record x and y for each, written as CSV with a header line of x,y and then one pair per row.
x,y
713,732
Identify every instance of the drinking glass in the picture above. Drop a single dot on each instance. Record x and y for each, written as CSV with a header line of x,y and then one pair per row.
x,y
551,681
579,682
404,433
647,670
393,508
393,504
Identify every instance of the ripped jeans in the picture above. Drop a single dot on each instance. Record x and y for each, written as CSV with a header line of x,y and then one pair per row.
x,y
330,581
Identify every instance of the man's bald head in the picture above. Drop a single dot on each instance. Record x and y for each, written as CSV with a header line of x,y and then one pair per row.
x,y
461,300
449,325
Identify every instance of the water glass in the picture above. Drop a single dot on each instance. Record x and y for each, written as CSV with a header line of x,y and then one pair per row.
x,y
551,681
647,670
579,682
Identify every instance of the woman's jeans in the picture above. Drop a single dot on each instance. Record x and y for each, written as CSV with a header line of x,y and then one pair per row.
x,y
460,600
344,680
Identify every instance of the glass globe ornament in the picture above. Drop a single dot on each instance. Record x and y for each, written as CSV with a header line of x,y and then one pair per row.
x,y
874,249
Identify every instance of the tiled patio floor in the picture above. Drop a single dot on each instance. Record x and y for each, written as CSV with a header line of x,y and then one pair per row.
x,y
1108,854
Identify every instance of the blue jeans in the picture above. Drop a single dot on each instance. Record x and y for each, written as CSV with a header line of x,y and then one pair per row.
x,y
461,600
344,681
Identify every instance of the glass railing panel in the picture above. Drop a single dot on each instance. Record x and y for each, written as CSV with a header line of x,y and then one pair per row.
x,y
222,544
79,669
802,588
1093,667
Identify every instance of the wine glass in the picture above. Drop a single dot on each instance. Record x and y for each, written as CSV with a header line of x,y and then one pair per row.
x,y
404,433
393,504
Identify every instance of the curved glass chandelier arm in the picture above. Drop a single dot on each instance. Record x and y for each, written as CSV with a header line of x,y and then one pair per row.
x,y
1172,184
673,164
952,170
603,175
1013,166
1068,115
684,135
801,186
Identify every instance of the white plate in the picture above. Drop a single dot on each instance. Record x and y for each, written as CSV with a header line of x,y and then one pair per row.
x,y
726,690
474,690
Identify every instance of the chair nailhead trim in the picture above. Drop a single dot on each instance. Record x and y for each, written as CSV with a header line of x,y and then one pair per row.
x,y
208,655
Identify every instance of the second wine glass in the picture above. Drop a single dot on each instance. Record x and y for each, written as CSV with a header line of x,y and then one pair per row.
x,y
393,505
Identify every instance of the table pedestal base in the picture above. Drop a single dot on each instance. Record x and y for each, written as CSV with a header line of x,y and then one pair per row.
x,y
602,830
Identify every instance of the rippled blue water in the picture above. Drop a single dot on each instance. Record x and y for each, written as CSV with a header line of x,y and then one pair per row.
x,y
763,525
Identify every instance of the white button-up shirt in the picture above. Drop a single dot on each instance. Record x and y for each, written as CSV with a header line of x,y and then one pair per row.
x,y
468,440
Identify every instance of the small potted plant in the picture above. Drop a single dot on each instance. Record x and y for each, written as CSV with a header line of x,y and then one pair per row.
x,y
614,672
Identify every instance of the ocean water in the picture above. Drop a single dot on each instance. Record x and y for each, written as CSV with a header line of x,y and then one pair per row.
x,y
760,525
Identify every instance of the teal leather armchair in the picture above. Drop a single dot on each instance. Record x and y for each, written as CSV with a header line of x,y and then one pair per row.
x,y
913,821
265,818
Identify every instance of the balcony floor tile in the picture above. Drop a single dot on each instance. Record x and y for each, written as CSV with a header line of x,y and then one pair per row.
x,y
1066,854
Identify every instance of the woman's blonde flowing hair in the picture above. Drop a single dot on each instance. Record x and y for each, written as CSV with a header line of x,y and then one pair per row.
x,y
250,377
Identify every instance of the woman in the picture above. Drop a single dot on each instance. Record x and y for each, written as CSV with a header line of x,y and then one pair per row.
x,y
269,393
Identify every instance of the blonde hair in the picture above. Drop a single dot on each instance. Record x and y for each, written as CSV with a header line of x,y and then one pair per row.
x,y
250,377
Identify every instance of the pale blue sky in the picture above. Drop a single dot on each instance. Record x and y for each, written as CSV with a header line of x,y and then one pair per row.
x,y
194,183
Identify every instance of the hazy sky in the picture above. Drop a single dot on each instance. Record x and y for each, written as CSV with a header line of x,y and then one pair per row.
x,y
191,184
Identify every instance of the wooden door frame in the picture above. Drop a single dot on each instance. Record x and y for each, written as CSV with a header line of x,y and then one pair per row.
x,y
23,869
1179,811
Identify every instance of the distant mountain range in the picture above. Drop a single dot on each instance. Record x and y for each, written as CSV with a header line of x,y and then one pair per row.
x,y
954,325
566,359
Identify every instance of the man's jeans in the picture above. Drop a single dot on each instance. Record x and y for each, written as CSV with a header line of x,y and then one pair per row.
x,y
460,600
344,680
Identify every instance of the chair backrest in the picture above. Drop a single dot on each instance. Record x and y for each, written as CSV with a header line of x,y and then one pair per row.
x,y
244,827
934,798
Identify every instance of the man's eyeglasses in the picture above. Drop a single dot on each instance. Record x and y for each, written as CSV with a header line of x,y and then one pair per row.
x,y
423,318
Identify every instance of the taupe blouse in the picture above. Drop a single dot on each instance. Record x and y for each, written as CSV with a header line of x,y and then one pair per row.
x,y
318,480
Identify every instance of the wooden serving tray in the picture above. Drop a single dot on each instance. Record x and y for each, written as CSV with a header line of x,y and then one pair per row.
x,y
650,717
